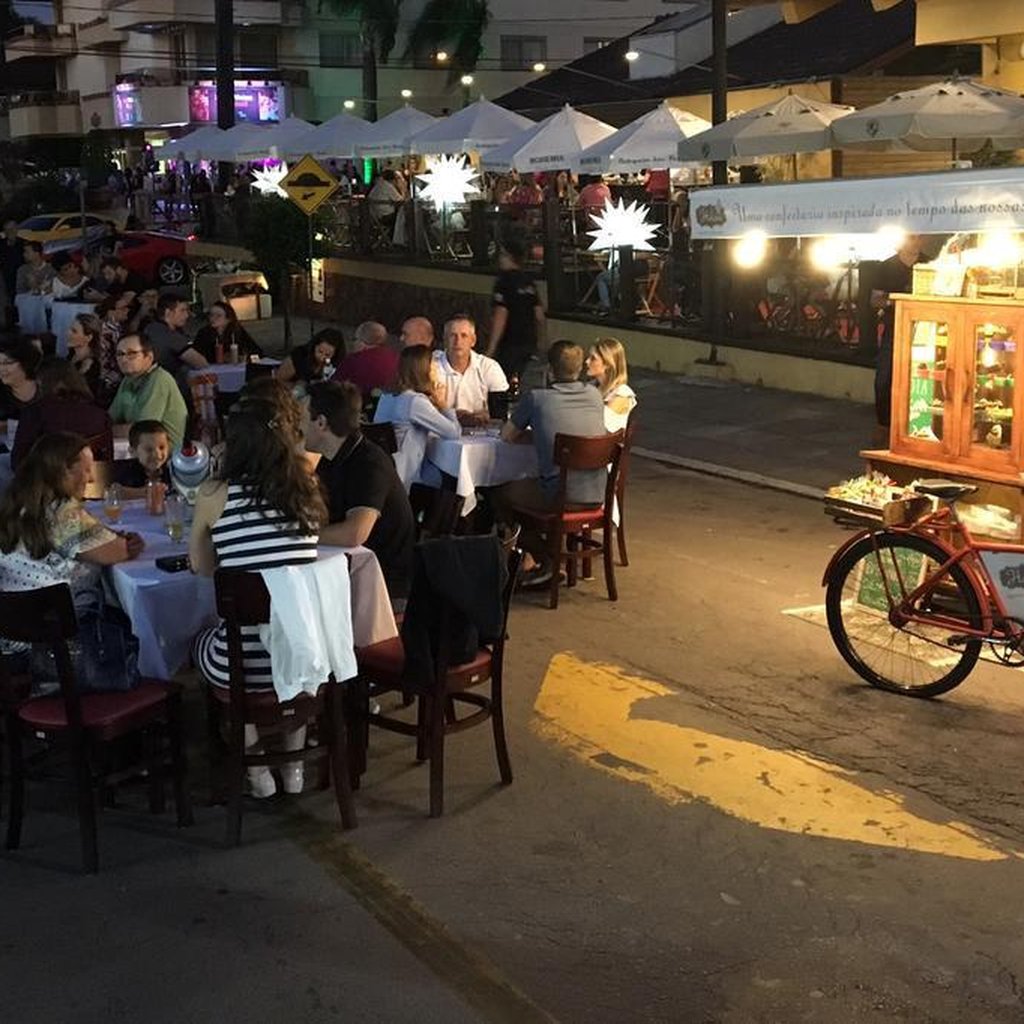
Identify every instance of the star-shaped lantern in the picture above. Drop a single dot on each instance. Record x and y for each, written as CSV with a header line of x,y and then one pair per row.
x,y
447,181
618,224
268,180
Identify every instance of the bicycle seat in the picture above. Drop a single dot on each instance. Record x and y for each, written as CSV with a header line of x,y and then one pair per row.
x,y
945,490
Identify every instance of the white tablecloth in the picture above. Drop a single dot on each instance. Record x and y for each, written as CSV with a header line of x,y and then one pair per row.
x,y
480,460
61,315
168,609
230,376
33,312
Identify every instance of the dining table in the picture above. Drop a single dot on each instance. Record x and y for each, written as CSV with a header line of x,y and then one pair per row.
x,y
168,609
479,458
231,376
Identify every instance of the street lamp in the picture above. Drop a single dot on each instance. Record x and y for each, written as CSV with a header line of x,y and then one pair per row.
x,y
632,55
349,104
540,66
406,94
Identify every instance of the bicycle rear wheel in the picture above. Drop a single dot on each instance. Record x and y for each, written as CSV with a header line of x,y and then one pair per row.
x,y
916,660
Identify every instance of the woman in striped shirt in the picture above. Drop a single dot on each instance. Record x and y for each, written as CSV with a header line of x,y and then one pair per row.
x,y
264,512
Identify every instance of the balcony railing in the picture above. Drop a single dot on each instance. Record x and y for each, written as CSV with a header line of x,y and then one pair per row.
x,y
49,41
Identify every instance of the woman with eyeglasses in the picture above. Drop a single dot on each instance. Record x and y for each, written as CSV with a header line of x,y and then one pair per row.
x,y
224,329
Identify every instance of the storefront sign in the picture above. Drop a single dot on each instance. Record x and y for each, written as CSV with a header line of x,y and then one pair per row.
x,y
921,203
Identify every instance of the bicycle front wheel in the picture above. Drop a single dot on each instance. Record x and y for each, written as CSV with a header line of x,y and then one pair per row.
x,y
917,659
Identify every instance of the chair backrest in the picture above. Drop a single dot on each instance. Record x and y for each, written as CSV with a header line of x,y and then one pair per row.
x,y
242,600
627,447
581,453
203,388
436,510
47,617
382,435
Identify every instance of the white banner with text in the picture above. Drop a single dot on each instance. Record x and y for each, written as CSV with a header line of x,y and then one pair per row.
x,y
921,203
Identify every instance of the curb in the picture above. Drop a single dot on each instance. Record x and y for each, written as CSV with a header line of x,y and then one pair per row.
x,y
743,476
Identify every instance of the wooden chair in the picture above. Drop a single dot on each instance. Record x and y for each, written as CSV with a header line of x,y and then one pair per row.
x,y
382,435
382,665
86,722
568,528
242,600
620,486
436,510
204,393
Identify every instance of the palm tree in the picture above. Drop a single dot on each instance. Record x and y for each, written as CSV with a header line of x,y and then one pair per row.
x,y
456,26
378,26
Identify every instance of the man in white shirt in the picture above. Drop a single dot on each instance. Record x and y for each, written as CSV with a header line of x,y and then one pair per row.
x,y
468,377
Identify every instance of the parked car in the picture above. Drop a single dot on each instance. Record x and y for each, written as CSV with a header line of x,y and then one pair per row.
x,y
54,228
157,256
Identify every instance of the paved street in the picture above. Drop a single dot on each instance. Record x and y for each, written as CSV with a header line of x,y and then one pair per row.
x,y
712,820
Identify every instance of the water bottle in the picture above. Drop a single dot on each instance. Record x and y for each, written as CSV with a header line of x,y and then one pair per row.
x,y
328,371
234,352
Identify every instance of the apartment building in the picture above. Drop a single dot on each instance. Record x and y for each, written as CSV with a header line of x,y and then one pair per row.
x,y
146,66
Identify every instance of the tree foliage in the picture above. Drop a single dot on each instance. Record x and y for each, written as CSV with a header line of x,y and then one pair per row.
x,y
456,26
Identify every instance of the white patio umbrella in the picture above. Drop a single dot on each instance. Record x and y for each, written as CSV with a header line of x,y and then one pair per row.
x,y
392,135
793,124
273,142
230,142
649,141
553,144
481,126
195,145
334,139
958,114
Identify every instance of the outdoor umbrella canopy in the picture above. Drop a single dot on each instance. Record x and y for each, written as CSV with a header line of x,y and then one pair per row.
x,y
195,145
336,138
649,141
555,143
793,124
230,142
272,142
481,126
955,114
392,135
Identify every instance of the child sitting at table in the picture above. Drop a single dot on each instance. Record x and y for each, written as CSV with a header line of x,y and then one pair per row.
x,y
150,446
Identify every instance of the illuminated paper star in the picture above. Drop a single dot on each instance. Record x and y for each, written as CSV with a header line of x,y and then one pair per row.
x,y
447,181
618,224
268,180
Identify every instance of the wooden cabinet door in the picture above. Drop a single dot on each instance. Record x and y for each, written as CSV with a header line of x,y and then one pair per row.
x,y
989,378
926,395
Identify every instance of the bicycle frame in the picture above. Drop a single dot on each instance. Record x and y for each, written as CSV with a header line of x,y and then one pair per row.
x,y
933,527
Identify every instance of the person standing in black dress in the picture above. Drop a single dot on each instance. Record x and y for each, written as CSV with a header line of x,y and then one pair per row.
x,y
518,325
894,276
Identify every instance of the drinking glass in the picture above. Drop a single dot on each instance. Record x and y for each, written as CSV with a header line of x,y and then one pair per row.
x,y
174,517
112,503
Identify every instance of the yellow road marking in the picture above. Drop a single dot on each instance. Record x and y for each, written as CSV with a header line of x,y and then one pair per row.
x,y
592,711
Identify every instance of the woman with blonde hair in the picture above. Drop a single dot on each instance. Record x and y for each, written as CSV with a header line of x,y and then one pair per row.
x,y
606,366
413,407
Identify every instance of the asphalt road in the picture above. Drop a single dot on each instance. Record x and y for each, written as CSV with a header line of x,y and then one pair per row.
x,y
712,820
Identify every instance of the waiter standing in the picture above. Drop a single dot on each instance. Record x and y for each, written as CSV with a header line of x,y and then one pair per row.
x,y
518,326
895,276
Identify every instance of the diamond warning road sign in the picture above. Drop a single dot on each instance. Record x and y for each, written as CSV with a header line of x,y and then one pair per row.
x,y
308,185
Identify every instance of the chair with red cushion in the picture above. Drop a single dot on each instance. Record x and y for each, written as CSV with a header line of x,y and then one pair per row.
x,y
620,486
243,600
568,528
443,688
86,722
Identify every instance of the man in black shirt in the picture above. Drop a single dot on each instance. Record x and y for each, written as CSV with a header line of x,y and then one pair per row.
x,y
894,276
517,316
366,501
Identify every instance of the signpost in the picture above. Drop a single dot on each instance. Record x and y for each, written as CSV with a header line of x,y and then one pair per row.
x,y
308,185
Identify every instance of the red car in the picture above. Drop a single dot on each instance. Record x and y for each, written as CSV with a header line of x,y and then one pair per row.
x,y
155,255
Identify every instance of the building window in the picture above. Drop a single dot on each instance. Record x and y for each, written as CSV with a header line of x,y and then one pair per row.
x,y
206,46
592,43
519,53
341,50
257,48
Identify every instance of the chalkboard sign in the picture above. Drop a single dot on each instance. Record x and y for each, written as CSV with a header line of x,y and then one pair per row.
x,y
871,592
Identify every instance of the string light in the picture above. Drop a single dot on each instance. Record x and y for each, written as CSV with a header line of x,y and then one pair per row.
x,y
447,181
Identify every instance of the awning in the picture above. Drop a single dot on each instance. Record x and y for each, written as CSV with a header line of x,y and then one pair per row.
x,y
921,203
